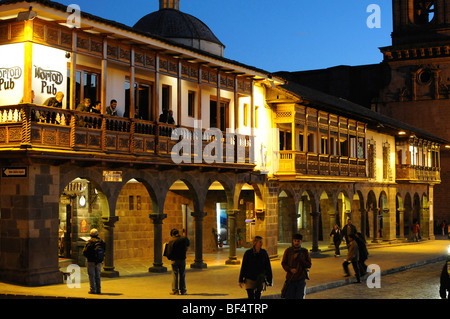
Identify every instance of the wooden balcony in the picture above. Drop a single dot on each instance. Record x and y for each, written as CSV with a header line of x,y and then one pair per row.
x,y
293,164
417,174
70,134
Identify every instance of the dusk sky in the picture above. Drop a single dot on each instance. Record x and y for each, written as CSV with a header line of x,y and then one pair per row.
x,y
276,35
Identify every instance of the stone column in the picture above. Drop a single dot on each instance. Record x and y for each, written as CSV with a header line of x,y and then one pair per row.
x,y
158,244
376,224
198,219
232,259
401,223
363,222
315,235
108,266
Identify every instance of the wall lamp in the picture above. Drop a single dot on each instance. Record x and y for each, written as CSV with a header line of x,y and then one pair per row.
x,y
26,15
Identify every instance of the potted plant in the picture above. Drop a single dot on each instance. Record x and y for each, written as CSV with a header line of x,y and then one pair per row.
x,y
239,237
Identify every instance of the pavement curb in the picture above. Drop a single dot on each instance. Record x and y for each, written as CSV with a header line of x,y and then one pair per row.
x,y
347,281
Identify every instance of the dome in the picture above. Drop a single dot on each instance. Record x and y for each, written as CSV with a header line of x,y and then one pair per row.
x,y
180,27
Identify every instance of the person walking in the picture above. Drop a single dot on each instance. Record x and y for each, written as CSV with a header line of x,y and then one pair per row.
x,y
352,258
363,253
348,229
337,239
176,252
94,251
296,262
256,270
415,230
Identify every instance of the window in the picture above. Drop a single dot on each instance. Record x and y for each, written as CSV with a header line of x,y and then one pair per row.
x,y
245,114
324,145
143,99
166,90
221,122
191,104
386,160
87,85
424,11
285,141
371,152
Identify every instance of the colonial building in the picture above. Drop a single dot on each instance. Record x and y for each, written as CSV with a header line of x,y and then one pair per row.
x,y
412,82
247,153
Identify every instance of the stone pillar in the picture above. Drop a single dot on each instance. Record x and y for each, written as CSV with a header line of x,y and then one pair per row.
x,y
29,227
108,266
425,223
363,222
315,235
332,217
376,222
401,223
387,229
158,244
232,259
198,220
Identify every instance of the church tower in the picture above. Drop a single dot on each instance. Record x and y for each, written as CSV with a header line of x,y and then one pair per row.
x,y
417,78
417,21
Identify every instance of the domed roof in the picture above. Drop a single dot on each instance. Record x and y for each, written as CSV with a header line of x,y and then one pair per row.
x,y
174,24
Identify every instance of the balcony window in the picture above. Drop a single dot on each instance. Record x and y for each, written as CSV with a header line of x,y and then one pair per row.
x,y
191,104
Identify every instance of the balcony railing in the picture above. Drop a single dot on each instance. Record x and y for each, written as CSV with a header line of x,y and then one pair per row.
x,y
34,126
415,173
303,163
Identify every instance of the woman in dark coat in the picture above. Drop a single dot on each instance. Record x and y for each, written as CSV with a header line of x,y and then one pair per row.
x,y
255,270
337,239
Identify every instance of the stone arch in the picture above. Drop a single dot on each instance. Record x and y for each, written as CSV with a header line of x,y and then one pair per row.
x,y
82,206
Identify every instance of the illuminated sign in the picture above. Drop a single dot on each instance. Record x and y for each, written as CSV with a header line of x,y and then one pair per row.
x,y
112,176
11,73
49,73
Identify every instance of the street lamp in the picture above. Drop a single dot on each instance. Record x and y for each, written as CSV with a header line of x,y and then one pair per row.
x,y
26,15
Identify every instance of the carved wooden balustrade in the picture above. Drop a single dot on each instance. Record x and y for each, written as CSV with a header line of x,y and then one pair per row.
x,y
30,126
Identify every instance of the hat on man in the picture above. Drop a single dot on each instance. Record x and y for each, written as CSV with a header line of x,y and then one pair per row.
x,y
94,232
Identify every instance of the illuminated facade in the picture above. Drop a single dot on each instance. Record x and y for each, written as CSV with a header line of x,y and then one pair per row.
x,y
248,153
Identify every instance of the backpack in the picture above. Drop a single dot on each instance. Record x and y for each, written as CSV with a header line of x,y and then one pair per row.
x,y
99,252
95,251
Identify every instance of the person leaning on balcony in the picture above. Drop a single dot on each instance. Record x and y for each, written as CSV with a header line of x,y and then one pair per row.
x,y
83,107
96,108
111,109
55,101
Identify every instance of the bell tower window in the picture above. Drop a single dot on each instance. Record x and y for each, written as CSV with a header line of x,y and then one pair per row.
x,y
423,11
169,4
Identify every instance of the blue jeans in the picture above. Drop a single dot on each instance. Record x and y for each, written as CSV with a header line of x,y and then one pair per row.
x,y
179,276
94,271
296,289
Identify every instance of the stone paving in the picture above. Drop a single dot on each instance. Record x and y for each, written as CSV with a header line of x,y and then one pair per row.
x,y
220,281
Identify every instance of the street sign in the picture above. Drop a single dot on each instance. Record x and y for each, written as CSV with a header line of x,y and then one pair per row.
x,y
14,172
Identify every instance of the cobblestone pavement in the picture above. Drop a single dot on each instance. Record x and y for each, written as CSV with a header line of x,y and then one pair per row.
x,y
416,283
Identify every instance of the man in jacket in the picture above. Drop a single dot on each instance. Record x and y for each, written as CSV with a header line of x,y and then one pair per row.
x,y
352,258
176,252
94,260
296,262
